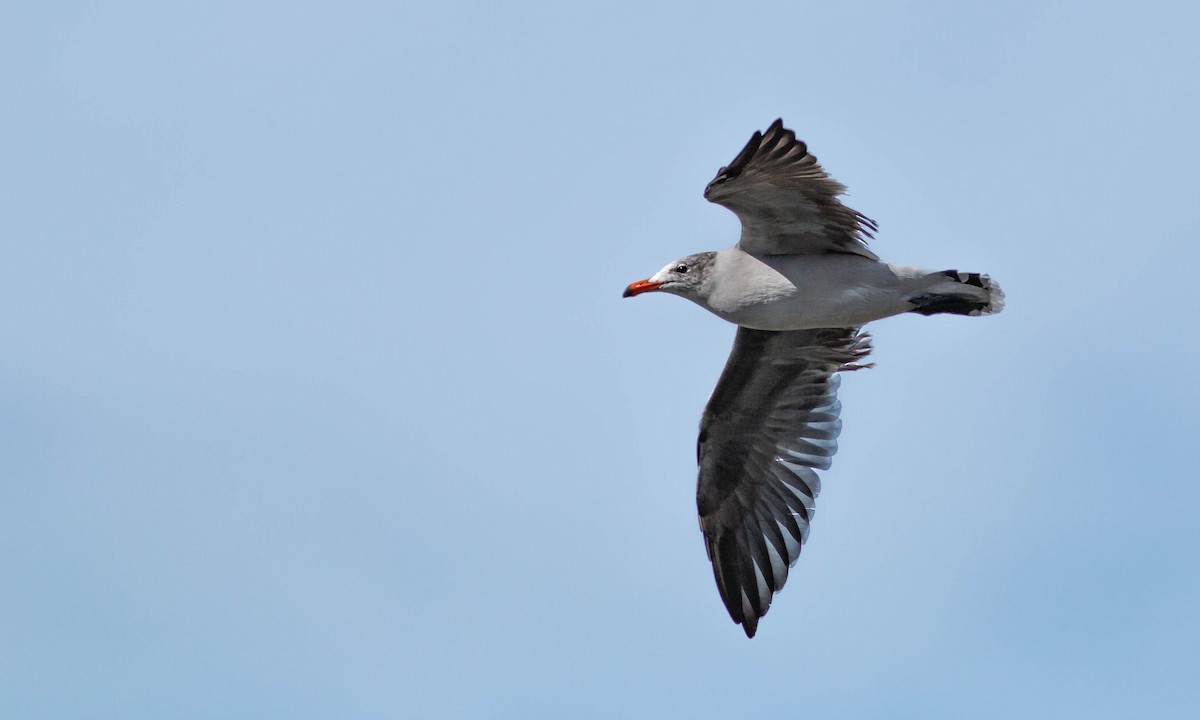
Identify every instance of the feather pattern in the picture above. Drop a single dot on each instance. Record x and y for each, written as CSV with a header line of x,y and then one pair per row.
x,y
786,202
771,423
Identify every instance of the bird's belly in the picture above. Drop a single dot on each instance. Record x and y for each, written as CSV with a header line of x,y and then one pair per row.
x,y
796,313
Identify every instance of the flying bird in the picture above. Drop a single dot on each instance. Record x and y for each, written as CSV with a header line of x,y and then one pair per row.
x,y
800,283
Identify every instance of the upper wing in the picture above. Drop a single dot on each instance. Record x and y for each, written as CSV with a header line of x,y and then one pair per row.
x,y
771,421
786,202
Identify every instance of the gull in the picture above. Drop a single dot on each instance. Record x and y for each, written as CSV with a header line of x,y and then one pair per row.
x,y
800,283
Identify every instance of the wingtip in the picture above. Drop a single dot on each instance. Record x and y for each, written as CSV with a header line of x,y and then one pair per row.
x,y
739,163
750,627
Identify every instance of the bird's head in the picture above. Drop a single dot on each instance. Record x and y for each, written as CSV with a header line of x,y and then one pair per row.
x,y
687,277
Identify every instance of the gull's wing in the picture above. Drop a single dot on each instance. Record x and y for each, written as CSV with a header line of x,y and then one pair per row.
x,y
771,422
786,202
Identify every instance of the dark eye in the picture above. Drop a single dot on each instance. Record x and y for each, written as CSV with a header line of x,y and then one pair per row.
x,y
681,268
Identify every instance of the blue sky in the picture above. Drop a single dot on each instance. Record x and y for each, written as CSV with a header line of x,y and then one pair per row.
x,y
319,398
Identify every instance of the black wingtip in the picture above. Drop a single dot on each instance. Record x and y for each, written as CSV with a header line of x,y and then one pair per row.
x,y
743,158
750,626
776,135
783,139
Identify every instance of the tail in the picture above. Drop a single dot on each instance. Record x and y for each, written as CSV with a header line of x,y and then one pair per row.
x,y
957,293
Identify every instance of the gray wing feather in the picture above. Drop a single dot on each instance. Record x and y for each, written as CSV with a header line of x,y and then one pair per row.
x,y
786,201
771,423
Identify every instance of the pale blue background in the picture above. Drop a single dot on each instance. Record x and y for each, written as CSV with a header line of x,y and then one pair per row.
x,y
319,399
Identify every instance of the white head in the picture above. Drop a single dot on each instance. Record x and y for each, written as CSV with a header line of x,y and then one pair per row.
x,y
687,277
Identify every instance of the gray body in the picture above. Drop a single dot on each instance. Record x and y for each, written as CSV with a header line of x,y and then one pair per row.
x,y
804,292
